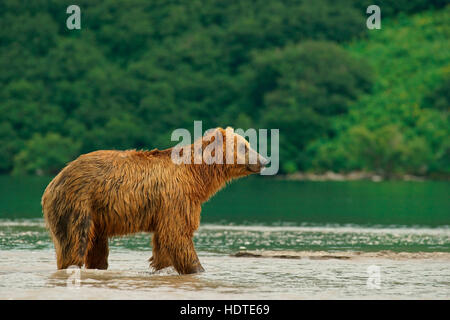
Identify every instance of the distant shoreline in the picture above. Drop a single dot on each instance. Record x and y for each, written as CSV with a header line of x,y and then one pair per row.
x,y
356,176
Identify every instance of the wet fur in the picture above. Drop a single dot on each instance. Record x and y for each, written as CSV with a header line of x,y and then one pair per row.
x,y
112,193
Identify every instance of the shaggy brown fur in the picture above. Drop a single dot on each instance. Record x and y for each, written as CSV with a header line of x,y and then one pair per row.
x,y
109,193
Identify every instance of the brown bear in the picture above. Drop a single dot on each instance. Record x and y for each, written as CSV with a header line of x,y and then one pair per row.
x,y
109,193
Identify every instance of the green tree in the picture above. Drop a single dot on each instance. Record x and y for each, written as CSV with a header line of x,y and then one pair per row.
x,y
387,151
45,154
298,90
9,146
439,98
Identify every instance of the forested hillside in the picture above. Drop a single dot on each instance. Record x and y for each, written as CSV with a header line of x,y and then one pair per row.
x,y
344,97
403,125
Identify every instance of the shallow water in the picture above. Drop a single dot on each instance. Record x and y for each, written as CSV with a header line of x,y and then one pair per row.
x,y
241,262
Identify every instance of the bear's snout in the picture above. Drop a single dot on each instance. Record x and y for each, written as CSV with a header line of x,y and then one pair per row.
x,y
263,161
261,164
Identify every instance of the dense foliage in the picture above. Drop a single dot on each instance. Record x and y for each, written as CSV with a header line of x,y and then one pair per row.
x,y
403,126
344,98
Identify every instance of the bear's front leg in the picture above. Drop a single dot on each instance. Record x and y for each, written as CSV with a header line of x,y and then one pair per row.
x,y
186,260
183,255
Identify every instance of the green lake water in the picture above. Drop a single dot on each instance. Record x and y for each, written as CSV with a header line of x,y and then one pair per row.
x,y
259,239
268,201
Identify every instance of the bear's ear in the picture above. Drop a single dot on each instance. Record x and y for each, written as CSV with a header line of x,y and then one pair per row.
x,y
213,132
229,131
210,132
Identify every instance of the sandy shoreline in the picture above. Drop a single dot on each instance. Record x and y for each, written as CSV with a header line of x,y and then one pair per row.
x,y
345,255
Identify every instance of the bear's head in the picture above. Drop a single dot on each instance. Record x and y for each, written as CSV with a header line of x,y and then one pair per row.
x,y
226,148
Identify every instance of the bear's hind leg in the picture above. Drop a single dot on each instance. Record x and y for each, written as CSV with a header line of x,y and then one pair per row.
x,y
71,238
97,254
65,257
